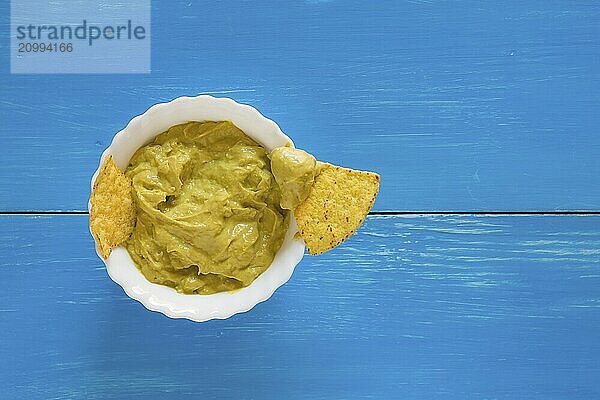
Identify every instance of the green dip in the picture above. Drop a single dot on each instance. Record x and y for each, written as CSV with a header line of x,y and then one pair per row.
x,y
208,209
294,172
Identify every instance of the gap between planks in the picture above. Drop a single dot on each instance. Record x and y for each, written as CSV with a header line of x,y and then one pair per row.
x,y
374,213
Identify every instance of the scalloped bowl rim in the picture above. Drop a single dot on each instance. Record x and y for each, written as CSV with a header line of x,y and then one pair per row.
x,y
121,269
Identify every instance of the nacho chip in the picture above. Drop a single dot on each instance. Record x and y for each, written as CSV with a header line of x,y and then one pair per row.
x,y
112,215
337,205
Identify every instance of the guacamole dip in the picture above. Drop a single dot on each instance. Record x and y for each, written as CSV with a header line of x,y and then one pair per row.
x,y
208,209
294,172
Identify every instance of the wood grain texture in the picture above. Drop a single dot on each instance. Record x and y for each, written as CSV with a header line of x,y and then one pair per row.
x,y
458,105
420,308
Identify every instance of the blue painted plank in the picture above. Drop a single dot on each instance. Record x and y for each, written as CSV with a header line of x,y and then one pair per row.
x,y
459,105
419,308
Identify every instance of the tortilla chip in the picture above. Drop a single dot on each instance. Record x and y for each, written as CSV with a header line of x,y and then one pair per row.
x,y
336,207
112,215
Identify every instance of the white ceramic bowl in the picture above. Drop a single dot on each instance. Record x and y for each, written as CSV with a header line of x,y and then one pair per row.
x,y
140,131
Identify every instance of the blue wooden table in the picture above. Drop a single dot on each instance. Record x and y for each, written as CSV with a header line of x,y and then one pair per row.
x,y
476,276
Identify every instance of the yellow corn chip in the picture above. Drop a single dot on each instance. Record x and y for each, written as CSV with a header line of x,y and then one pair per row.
x,y
112,215
336,207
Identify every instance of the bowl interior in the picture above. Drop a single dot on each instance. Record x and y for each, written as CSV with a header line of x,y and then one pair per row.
x,y
142,130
